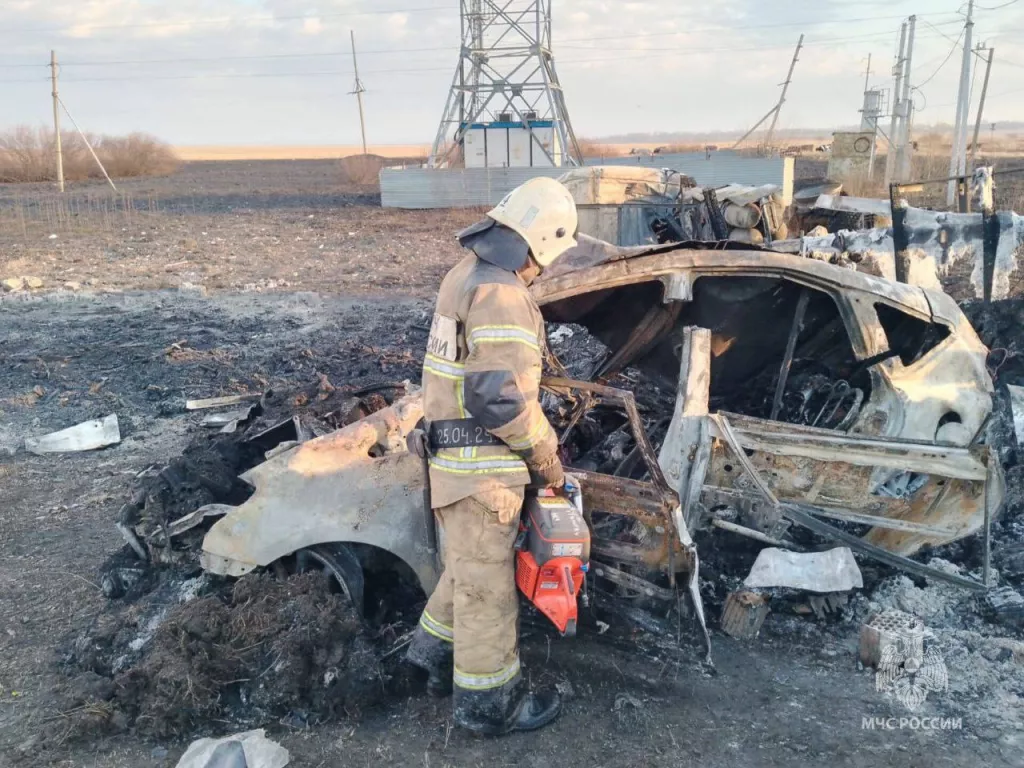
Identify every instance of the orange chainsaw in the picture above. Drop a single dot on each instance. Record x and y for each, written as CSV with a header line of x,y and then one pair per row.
x,y
553,554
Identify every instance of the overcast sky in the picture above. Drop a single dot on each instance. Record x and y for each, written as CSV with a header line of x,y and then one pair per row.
x,y
279,71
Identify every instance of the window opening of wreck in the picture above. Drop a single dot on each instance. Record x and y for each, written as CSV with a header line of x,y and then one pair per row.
x,y
629,337
909,337
752,320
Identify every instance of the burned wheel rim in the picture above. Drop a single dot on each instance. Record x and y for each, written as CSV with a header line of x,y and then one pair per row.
x,y
340,565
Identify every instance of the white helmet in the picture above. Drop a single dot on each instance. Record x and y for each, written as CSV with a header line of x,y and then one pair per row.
x,y
543,213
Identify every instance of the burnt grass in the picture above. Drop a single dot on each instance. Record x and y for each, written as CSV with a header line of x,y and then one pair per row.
x,y
242,653
78,688
248,652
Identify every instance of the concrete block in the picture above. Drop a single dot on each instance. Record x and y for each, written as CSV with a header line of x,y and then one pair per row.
x,y
883,630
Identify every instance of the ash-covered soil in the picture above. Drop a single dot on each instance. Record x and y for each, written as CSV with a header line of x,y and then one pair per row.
x,y
240,225
792,696
86,681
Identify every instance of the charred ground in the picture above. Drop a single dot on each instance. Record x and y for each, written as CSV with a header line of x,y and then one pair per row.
x,y
794,695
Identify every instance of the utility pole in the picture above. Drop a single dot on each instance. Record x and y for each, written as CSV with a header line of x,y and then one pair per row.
x,y
358,90
869,117
782,97
773,113
894,123
906,108
981,105
56,121
958,157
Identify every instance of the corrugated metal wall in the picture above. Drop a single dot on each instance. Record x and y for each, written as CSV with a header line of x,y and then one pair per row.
x,y
467,187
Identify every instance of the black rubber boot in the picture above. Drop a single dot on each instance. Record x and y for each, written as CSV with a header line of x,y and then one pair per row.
x,y
435,656
538,710
510,707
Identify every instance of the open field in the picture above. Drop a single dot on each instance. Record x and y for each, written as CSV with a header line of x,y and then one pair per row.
x,y
244,226
242,276
298,152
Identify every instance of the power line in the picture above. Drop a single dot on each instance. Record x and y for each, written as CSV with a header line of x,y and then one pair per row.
x,y
943,34
229,20
952,50
866,37
730,28
326,54
189,22
641,55
198,59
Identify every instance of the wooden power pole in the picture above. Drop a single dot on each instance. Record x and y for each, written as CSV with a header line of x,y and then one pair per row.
x,y
56,121
785,87
981,105
358,90
958,156
773,113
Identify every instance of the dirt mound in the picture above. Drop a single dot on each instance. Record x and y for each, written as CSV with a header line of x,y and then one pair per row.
x,y
234,654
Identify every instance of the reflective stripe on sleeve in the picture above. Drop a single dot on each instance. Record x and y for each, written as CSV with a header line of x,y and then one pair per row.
x,y
488,681
484,334
439,367
432,626
535,435
477,466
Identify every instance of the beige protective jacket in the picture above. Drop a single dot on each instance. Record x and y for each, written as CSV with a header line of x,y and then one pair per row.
x,y
484,360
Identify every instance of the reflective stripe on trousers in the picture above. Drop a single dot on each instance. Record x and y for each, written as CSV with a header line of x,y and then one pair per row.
x,y
434,627
489,681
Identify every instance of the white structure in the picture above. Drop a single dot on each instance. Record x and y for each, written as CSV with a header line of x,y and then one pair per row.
x,y
897,161
505,108
509,144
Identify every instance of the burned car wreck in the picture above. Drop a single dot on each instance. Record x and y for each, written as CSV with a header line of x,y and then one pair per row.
x,y
722,387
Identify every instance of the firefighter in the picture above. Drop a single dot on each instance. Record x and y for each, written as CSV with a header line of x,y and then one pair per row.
x,y
488,440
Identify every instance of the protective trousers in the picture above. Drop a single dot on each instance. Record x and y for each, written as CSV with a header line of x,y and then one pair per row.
x,y
473,613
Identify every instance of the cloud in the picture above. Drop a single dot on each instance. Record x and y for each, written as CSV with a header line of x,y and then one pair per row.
x,y
398,26
651,65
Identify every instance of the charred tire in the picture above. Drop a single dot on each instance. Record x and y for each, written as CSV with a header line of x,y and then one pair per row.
x,y
341,565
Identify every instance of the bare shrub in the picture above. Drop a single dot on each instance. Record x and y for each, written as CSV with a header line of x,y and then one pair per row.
x,y
137,154
361,170
27,155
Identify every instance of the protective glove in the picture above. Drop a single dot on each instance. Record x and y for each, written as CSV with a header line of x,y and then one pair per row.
x,y
547,474
416,441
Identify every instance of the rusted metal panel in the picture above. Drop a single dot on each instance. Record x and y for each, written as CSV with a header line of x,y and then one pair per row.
x,y
799,441
621,495
798,464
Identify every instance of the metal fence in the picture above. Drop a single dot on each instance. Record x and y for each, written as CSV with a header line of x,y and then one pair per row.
x,y
468,187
